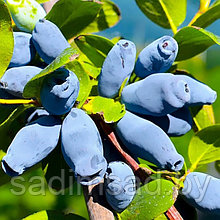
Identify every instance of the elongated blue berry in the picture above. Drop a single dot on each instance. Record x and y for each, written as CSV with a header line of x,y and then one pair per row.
x,y
31,144
175,124
157,57
200,94
119,185
48,40
15,79
59,91
202,191
149,142
82,147
37,113
117,66
24,50
158,95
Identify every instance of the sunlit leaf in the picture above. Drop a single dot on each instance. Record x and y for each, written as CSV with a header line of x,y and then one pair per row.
x,y
6,36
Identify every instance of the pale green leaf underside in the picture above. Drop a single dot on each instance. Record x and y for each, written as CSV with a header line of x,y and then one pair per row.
x,y
111,110
203,116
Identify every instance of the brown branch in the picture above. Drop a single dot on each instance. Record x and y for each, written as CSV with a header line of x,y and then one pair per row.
x,y
94,203
48,5
173,214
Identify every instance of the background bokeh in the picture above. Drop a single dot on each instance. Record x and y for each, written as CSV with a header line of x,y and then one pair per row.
x,y
136,27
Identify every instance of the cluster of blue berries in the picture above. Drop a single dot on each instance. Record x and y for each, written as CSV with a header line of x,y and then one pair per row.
x,y
80,139
157,107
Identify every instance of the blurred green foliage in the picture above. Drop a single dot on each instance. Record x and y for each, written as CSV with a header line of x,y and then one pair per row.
x,y
17,207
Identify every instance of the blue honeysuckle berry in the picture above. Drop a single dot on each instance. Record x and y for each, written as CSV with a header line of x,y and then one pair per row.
x,y
157,95
31,144
14,79
148,141
200,93
202,191
82,147
48,40
157,57
119,185
59,91
24,51
117,66
175,124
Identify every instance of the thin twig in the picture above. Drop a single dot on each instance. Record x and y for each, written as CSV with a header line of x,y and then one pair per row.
x,y
204,5
18,101
94,203
48,5
173,214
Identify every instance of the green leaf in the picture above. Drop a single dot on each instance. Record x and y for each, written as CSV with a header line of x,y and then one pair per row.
x,y
161,217
147,163
73,16
144,165
203,116
13,116
151,200
166,13
124,83
5,111
84,80
94,47
11,125
193,41
89,67
54,165
32,88
184,140
207,18
6,36
217,166
3,177
112,111
51,215
2,154
108,16
204,147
